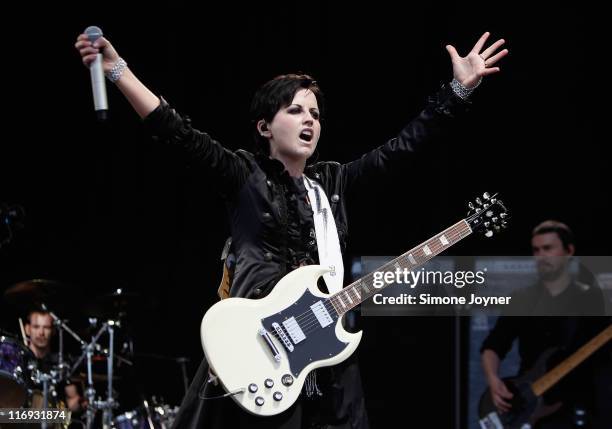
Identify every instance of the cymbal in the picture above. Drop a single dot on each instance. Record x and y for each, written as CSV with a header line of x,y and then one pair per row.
x,y
32,293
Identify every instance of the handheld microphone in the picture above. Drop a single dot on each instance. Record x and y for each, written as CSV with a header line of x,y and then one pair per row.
x,y
98,84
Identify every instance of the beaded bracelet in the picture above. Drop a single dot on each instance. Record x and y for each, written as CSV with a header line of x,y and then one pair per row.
x,y
461,91
115,73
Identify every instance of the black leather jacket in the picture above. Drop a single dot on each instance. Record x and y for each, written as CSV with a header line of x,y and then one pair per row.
x,y
255,189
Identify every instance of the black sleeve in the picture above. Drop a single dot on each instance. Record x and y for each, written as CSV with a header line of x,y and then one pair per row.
x,y
502,336
434,120
228,169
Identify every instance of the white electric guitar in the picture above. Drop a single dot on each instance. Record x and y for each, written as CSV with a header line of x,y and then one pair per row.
x,y
261,350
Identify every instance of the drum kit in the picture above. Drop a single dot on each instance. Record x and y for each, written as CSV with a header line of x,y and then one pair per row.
x,y
29,381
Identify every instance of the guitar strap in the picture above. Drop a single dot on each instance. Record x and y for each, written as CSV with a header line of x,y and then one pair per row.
x,y
328,247
328,244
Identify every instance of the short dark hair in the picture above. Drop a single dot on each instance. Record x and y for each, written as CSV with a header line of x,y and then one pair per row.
x,y
276,94
37,310
563,231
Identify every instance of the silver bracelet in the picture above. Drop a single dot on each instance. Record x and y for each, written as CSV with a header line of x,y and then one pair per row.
x,y
461,91
115,73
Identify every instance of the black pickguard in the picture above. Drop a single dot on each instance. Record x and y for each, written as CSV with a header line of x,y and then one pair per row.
x,y
320,343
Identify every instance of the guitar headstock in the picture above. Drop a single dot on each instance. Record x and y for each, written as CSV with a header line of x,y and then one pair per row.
x,y
487,214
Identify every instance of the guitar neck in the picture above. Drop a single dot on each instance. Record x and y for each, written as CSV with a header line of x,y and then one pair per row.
x,y
541,385
363,289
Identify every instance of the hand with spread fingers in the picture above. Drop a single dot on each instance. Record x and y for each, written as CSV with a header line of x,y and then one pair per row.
x,y
469,70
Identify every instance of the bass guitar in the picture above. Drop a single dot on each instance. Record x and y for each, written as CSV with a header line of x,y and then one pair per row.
x,y
527,390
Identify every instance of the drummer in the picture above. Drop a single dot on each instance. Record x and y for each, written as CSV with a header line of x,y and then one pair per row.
x,y
39,330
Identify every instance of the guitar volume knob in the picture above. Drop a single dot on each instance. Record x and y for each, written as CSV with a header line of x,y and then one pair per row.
x,y
269,383
252,388
277,396
259,401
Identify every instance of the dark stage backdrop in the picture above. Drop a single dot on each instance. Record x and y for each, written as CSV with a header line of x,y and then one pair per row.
x,y
106,207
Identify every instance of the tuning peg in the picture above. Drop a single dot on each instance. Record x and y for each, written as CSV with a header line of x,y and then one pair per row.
x,y
489,234
493,200
487,224
471,205
478,201
497,228
486,196
503,215
486,206
494,219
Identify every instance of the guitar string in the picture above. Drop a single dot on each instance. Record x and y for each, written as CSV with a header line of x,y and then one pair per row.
x,y
437,249
307,319
452,231
310,320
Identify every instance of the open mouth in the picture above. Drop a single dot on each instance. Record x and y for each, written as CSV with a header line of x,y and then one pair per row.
x,y
306,135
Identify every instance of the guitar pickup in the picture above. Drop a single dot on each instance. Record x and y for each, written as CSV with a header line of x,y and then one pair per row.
x,y
322,314
294,330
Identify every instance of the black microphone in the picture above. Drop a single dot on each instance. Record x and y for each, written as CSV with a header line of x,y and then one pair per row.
x,y
98,84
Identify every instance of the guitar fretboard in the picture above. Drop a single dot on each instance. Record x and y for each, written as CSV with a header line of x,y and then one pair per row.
x,y
542,384
363,289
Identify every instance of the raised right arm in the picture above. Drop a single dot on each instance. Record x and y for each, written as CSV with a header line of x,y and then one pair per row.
x,y
139,96
164,123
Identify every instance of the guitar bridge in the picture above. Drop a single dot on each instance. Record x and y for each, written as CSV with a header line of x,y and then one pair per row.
x,y
283,337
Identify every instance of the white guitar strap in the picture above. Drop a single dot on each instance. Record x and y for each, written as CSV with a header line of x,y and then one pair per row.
x,y
328,244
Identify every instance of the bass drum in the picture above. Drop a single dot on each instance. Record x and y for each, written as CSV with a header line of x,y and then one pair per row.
x,y
13,372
